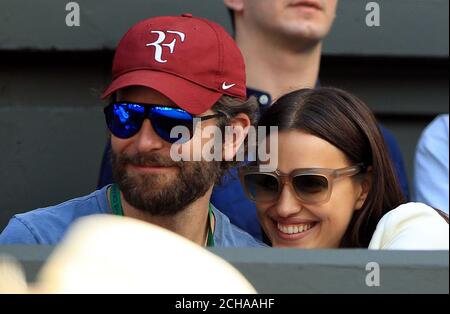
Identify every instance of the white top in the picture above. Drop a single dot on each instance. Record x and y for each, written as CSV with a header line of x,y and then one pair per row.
x,y
411,226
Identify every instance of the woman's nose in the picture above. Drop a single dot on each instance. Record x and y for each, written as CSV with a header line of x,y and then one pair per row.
x,y
287,204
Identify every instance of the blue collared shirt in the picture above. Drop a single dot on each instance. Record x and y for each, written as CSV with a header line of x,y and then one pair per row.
x,y
431,178
49,225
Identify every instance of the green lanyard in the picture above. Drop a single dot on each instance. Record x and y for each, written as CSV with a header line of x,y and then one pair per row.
x,y
116,206
210,241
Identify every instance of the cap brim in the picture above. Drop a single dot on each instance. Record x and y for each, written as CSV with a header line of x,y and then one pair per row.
x,y
189,96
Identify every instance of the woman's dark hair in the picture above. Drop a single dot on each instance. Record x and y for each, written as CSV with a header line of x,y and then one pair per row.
x,y
347,123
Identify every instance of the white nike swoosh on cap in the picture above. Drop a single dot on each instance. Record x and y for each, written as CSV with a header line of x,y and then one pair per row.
x,y
226,86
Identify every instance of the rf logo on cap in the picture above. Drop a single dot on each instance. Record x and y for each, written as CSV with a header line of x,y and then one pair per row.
x,y
158,43
153,53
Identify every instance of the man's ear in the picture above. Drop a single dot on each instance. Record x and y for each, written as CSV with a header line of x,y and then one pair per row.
x,y
235,134
366,185
235,5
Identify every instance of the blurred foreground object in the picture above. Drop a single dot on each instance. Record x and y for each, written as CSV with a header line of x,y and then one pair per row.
x,y
12,277
103,254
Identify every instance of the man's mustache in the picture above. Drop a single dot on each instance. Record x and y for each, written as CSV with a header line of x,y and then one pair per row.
x,y
148,160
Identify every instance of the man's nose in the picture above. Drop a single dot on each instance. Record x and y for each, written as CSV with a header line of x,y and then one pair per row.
x,y
147,139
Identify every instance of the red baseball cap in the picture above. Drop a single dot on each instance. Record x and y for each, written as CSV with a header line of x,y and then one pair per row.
x,y
190,60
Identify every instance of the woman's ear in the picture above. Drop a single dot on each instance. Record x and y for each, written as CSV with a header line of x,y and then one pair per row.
x,y
235,5
235,134
366,184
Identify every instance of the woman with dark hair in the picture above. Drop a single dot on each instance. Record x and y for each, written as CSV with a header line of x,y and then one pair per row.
x,y
334,185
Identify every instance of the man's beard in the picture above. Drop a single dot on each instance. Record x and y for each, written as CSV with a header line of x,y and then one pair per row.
x,y
158,194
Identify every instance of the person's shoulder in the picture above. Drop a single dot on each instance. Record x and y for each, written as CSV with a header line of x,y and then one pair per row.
x,y
243,238
436,131
440,123
47,225
92,203
411,226
388,136
412,211
228,235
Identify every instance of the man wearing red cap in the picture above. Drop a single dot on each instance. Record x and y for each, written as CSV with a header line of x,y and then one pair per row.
x,y
168,72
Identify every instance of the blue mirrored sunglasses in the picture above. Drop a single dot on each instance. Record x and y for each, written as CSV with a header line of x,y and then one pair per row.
x,y
124,120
